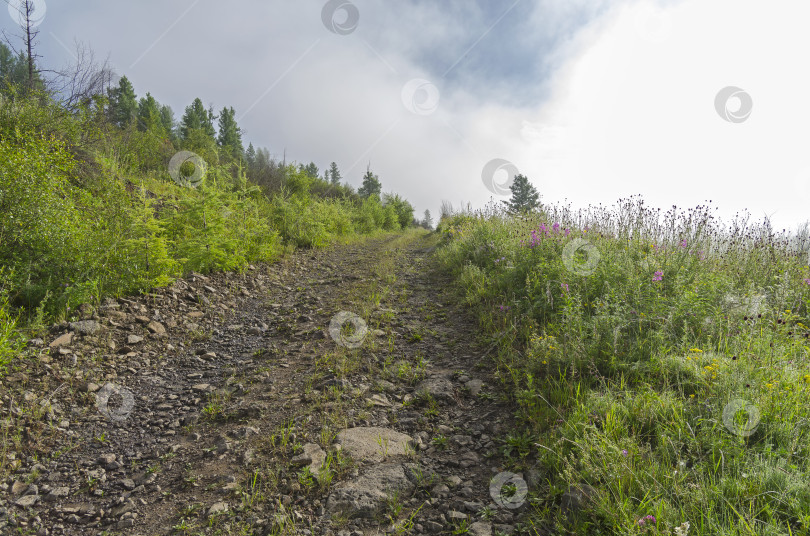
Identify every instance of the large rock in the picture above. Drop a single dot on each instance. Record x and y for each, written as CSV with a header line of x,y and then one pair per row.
x,y
480,528
156,328
85,327
313,457
62,340
439,388
373,444
366,495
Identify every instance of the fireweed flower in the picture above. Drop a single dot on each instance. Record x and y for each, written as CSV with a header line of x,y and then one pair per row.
x,y
564,286
659,275
644,520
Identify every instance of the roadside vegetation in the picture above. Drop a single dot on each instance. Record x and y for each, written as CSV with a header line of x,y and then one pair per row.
x,y
104,194
659,364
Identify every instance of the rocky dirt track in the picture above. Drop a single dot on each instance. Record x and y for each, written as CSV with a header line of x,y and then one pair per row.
x,y
224,405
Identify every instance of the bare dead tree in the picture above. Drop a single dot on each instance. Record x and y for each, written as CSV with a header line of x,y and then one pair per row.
x,y
82,80
28,24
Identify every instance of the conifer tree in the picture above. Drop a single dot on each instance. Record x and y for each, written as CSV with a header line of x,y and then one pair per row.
x,y
230,135
196,117
524,196
334,174
123,103
148,247
371,185
149,115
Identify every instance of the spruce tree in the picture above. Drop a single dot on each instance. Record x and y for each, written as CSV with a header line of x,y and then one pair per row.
x,y
149,115
524,196
196,117
427,222
123,103
334,174
250,155
312,170
230,135
371,185
167,120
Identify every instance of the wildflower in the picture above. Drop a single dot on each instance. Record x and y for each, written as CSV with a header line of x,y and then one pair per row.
x,y
659,275
644,519
567,232
683,243
696,350
683,530
564,286
556,227
806,281
624,453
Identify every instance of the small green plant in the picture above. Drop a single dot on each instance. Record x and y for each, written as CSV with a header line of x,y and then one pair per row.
x,y
440,442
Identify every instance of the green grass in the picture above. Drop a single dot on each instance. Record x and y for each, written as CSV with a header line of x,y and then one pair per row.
x,y
89,210
671,372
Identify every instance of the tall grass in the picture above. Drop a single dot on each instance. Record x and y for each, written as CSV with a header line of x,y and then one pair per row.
x,y
88,210
661,359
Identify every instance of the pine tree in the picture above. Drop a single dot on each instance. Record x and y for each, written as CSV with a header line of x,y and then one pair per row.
x,y
334,174
312,170
149,115
167,120
14,69
123,103
148,247
250,156
230,135
427,222
196,117
371,185
524,196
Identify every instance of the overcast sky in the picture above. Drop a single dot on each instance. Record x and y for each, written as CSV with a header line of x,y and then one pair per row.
x,y
593,100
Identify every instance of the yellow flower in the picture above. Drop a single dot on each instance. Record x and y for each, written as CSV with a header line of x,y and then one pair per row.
x,y
544,362
769,385
698,350
691,396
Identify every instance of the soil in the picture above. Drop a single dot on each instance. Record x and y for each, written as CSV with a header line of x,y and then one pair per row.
x,y
224,404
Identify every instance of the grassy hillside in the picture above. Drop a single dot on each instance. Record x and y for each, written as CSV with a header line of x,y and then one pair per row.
x,y
660,365
90,208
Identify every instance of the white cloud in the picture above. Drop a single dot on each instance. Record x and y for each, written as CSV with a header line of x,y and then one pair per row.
x,y
592,100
